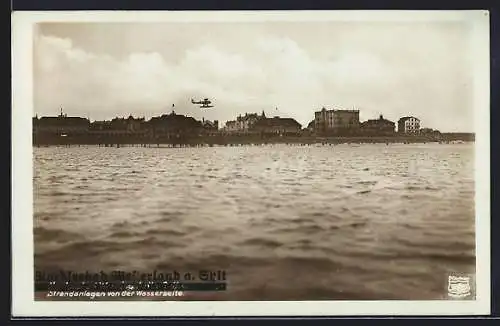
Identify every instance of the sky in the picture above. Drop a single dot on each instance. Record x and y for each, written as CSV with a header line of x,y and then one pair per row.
x,y
287,69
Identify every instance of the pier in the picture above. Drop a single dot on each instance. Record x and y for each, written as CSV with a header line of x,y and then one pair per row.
x,y
235,140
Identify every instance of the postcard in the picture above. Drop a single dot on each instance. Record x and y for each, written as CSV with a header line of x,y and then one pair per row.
x,y
250,163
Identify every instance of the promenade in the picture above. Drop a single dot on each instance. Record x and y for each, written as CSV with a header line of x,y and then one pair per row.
x,y
232,140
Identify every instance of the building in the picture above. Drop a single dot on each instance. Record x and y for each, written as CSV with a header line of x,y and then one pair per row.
x,y
277,125
174,125
336,121
119,126
98,126
210,127
231,126
62,124
429,132
380,126
408,125
310,126
34,124
135,124
129,124
244,123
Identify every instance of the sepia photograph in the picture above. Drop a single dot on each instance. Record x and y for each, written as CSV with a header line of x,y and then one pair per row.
x,y
285,157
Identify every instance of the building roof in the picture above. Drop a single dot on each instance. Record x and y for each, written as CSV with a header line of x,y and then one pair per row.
x,y
176,120
380,120
336,110
248,116
278,122
208,123
63,121
402,119
130,117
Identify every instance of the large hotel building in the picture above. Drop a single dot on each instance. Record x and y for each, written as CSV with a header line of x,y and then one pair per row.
x,y
336,121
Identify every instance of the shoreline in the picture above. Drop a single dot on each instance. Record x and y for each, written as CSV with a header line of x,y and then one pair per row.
x,y
243,140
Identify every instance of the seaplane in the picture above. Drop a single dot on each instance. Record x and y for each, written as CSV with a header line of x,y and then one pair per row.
x,y
205,103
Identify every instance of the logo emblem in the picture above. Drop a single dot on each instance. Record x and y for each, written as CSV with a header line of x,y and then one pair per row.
x,y
459,286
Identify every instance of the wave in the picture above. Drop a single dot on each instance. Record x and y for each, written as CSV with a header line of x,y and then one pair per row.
x,y
262,242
